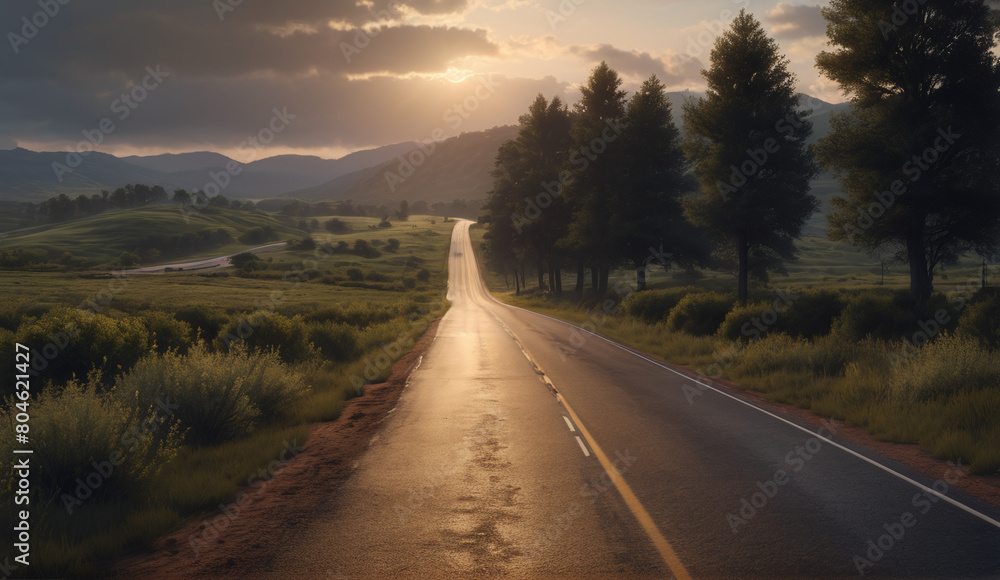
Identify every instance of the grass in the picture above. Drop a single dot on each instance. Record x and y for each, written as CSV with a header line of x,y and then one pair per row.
x,y
357,325
945,397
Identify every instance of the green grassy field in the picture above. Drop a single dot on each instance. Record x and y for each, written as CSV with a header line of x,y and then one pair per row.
x,y
101,238
320,333
861,365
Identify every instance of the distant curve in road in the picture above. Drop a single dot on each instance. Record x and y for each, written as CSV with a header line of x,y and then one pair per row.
x,y
525,447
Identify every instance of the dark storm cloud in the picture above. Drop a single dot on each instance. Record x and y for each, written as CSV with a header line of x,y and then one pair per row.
x,y
223,76
794,22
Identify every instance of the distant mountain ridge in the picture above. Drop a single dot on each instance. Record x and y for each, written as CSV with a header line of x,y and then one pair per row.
x,y
457,168
29,176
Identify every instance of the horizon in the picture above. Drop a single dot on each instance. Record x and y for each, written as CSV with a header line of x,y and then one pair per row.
x,y
352,77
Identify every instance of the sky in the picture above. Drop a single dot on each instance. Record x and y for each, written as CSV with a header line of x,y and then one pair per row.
x,y
256,78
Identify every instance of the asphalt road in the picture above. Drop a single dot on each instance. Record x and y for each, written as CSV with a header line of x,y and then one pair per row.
x,y
592,461
205,263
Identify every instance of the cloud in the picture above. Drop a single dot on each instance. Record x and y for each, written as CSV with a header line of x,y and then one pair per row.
x,y
791,21
636,66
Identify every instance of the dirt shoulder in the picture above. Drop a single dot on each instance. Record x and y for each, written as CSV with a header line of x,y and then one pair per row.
x,y
251,538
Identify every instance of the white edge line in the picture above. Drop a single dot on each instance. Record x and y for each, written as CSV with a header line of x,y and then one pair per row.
x,y
887,469
582,446
569,424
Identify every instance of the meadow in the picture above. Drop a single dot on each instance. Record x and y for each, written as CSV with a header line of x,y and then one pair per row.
x,y
156,396
831,337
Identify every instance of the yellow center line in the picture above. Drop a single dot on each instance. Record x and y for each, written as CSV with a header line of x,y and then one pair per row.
x,y
633,503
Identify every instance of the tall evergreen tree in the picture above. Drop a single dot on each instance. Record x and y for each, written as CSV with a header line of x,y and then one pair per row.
x,y
747,140
646,222
594,163
918,159
534,219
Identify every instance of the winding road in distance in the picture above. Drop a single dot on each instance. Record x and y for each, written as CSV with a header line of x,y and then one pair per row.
x,y
516,451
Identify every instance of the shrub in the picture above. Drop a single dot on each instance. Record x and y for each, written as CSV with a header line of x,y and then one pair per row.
x,y
409,283
392,245
68,341
219,396
823,357
880,316
813,313
336,226
947,365
78,426
337,342
265,331
374,276
355,274
740,322
204,321
700,314
365,250
981,321
655,305
424,275
259,235
247,262
166,332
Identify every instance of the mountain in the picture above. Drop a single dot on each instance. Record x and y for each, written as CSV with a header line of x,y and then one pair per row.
x,y
177,162
458,168
26,175
29,176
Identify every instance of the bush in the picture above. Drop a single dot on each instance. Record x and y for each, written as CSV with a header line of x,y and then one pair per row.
x,y
205,322
336,226
365,250
881,316
168,333
305,244
266,331
823,357
981,321
813,313
950,364
739,323
68,341
247,262
77,426
374,276
392,245
409,283
700,314
337,342
219,396
259,235
655,305
809,315
423,275
355,274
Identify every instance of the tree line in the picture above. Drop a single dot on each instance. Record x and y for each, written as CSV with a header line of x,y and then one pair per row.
x,y
612,182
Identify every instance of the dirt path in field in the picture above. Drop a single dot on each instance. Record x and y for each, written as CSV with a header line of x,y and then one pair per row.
x,y
250,538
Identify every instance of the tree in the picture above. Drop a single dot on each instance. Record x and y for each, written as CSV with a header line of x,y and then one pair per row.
x,y
747,141
647,221
526,212
403,213
918,158
595,163
247,262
